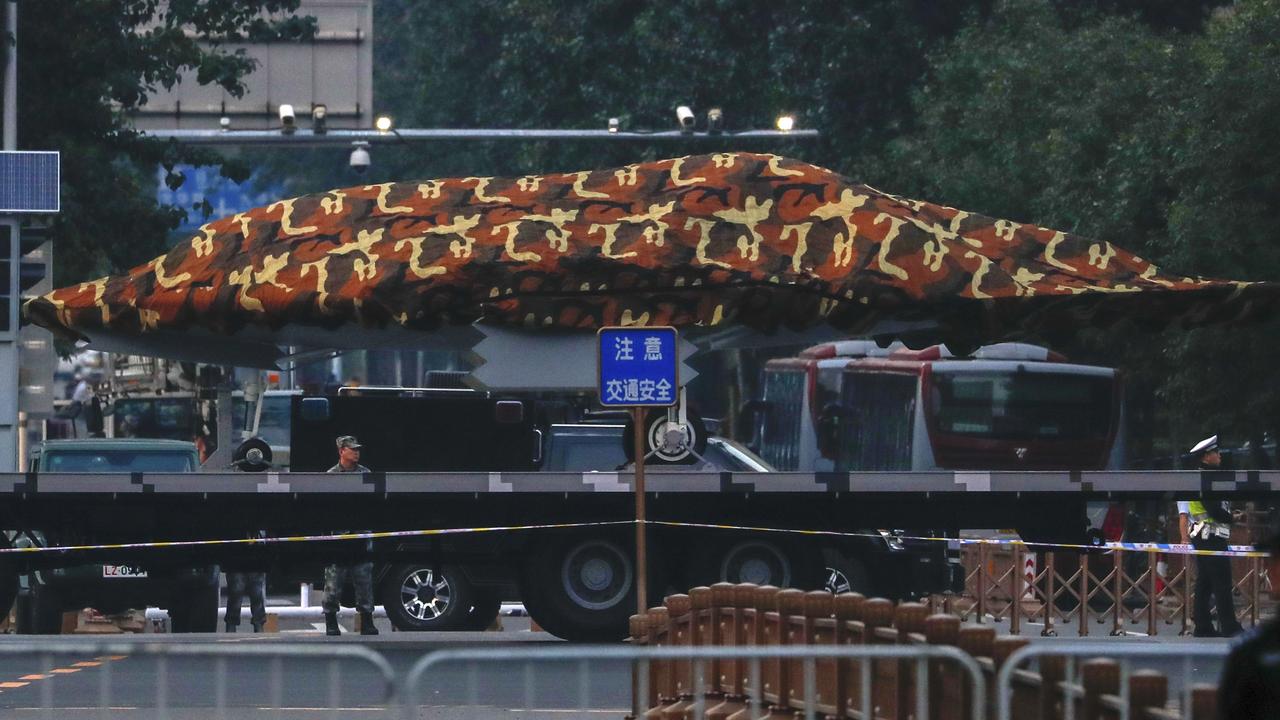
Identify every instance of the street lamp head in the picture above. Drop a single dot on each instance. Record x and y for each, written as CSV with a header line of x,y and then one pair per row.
x,y
613,124
224,122
383,123
786,123
288,122
684,116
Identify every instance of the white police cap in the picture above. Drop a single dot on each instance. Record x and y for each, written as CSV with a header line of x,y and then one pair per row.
x,y
1206,445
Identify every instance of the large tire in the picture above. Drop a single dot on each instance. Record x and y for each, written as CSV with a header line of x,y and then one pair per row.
x,y
763,561
582,587
848,574
195,610
417,598
485,605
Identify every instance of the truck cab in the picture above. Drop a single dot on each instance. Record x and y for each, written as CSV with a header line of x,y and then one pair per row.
x,y
190,594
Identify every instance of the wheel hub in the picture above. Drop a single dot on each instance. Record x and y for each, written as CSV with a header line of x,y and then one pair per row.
x,y
596,574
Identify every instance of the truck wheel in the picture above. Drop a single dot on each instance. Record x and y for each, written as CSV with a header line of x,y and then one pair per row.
x,y
766,562
418,598
847,575
485,605
195,610
582,588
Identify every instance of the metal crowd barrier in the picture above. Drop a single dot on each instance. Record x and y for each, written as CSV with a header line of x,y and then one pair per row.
x,y
702,700
1105,684
175,692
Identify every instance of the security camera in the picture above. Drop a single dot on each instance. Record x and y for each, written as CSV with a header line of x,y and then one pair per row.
x,y
360,157
685,116
224,122
287,119
614,124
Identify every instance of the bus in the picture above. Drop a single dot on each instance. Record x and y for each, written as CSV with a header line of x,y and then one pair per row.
x,y
854,406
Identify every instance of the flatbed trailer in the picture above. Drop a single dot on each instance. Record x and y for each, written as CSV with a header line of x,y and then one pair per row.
x,y
562,540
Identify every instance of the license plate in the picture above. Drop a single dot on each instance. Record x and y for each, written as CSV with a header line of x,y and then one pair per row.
x,y
122,571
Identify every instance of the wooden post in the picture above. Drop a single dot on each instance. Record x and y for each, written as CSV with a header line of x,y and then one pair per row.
x,y
1204,702
1153,559
1098,677
1118,584
1148,690
1050,601
1083,608
1015,604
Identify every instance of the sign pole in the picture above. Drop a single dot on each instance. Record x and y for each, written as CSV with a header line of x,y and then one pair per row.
x,y
642,566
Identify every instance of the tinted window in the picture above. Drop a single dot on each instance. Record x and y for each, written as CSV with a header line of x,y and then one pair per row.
x,y
784,392
117,461
582,453
1022,405
877,422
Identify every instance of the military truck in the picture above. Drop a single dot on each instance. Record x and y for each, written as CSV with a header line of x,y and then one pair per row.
x,y
189,593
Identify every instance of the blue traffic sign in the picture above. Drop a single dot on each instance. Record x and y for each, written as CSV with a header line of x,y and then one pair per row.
x,y
638,367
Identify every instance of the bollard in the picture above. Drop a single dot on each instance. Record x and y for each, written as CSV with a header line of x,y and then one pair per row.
x,y
1098,677
735,631
680,608
1148,690
849,631
660,671
877,616
1053,670
1204,702
908,619
947,685
789,627
765,603
1024,698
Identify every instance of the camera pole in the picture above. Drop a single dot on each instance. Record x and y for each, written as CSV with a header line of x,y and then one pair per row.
x,y
642,574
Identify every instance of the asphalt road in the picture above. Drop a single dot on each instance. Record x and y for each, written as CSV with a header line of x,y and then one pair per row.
x,y
131,682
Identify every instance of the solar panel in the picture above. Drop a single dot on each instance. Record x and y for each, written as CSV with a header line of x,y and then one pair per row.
x,y
29,181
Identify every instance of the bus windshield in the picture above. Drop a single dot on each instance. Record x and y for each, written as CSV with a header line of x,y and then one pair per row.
x,y
1022,405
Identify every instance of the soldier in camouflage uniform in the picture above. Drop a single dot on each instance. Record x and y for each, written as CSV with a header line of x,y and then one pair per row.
x,y
360,574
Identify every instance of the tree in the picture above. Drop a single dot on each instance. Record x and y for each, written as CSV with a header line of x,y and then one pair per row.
x,y
82,67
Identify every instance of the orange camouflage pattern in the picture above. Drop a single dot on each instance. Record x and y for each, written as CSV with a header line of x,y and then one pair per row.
x,y
693,241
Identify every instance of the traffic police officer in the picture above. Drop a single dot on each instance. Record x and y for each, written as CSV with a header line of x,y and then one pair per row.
x,y
1207,526
361,573
1250,684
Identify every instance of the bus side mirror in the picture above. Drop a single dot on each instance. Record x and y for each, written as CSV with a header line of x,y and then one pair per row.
x,y
315,409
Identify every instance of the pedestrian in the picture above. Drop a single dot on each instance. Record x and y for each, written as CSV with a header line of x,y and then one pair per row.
x,y
1207,526
1250,684
255,585
360,573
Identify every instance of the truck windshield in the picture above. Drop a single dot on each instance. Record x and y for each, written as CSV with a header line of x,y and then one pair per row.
x,y
1023,405
122,460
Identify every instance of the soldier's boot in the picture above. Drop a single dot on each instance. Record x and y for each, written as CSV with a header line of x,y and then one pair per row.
x,y
257,627
331,624
231,627
366,624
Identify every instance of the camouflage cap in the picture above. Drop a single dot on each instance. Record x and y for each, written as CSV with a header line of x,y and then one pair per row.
x,y
348,441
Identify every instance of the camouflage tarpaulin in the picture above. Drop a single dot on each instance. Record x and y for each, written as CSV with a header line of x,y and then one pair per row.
x,y
695,241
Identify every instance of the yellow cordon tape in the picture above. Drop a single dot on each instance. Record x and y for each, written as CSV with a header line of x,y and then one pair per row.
x,y
1167,548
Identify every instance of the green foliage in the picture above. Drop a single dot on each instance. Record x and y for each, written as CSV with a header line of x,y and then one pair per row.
x,y
1160,141
82,67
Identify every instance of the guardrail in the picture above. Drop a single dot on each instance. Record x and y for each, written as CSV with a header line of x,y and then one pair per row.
x,y
214,686
1107,686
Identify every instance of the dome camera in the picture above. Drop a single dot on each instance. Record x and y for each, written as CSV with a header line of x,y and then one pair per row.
x,y
360,159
